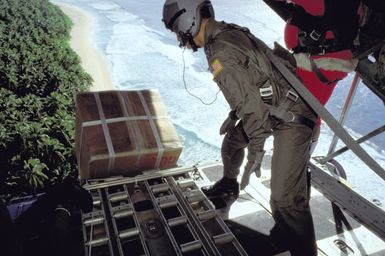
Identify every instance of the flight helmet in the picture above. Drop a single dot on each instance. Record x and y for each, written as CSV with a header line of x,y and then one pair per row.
x,y
184,17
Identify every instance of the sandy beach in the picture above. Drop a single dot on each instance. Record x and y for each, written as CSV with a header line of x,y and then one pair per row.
x,y
92,60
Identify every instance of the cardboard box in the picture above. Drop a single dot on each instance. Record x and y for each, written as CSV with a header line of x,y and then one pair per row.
x,y
123,133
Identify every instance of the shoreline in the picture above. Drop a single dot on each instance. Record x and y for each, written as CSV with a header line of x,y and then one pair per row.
x,y
91,59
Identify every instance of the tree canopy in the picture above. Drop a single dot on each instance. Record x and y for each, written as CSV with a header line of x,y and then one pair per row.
x,y
39,77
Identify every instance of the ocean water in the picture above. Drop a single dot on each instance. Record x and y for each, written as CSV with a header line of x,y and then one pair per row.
x,y
144,55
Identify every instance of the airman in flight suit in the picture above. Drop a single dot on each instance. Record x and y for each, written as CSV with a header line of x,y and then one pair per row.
x,y
265,104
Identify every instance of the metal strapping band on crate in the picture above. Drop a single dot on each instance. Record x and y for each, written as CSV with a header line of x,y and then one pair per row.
x,y
129,112
122,119
80,148
106,132
154,130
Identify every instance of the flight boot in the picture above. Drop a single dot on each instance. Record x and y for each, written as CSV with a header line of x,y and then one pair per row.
x,y
222,187
279,241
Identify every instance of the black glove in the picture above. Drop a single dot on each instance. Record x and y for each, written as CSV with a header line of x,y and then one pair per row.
x,y
253,164
313,27
284,54
229,123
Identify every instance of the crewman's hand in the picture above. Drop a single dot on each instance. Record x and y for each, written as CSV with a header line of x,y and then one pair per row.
x,y
253,165
229,123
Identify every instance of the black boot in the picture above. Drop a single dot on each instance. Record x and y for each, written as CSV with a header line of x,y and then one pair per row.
x,y
279,240
224,186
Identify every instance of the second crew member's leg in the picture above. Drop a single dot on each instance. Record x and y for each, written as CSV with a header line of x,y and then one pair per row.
x,y
233,152
289,200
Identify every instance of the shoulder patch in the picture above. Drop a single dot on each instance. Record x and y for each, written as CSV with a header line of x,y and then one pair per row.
x,y
216,67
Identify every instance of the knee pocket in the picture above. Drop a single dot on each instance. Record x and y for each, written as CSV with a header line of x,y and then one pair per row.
x,y
232,144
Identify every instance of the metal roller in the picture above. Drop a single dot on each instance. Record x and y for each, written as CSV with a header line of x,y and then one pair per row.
x,y
118,197
96,201
93,220
97,242
194,196
129,233
167,201
191,246
123,213
207,215
158,188
223,238
177,221
185,183
139,178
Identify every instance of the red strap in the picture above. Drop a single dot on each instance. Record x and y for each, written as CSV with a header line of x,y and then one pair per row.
x,y
314,7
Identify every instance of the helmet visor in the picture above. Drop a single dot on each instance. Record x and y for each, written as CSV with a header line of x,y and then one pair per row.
x,y
170,15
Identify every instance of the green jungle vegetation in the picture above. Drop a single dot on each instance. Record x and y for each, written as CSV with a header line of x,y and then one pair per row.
x,y
39,77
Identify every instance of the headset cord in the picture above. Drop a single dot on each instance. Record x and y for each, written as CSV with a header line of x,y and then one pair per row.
x,y
185,85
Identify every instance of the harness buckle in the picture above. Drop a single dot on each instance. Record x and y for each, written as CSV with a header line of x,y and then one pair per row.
x,y
315,35
266,92
292,117
319,51
302,34
292,95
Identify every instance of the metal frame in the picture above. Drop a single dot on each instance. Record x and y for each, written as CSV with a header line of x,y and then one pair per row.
x,y
147,176
96,217
181,220
334,188
194,195
345,148
166,189
326,116
114,218
368,71
345,111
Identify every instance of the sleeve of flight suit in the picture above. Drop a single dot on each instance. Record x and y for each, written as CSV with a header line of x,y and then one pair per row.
x,y
239,84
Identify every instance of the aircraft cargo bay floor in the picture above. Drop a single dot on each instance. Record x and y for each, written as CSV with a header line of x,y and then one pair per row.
x,y
249,218
194,225
165,213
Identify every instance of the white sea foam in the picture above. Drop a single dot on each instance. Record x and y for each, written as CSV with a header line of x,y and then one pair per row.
x,y
103,5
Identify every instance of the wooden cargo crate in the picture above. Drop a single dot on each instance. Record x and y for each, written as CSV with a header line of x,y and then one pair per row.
x,y
123,133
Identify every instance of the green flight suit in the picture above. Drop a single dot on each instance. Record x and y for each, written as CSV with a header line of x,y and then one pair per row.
x,y
240,68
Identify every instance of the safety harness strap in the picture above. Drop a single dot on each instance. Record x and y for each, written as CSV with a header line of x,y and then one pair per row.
x,y
326,116
305,121
289,117
282,111
319,74
327,46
